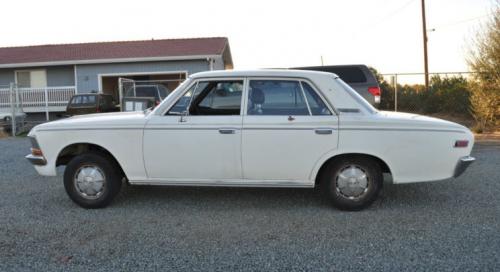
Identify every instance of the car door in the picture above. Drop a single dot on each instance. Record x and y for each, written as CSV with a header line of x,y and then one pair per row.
x,y
286,130
199,137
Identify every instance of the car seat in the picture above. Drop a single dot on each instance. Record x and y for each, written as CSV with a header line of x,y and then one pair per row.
x,y
257,98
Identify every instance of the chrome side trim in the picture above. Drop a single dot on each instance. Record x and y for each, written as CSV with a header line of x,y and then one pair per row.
x,y
226,183
107,128
404,129
258,128
462,165
36,160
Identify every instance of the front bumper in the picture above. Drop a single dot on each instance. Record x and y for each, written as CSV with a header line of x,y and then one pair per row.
x,y
36,160
462,164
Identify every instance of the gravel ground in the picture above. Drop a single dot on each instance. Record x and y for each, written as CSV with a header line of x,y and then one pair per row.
x,y
443,226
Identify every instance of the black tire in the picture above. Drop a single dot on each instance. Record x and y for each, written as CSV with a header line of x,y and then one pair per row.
x,y
330,180
105,167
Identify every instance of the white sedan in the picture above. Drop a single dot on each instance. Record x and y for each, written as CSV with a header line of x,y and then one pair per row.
x,y
263,128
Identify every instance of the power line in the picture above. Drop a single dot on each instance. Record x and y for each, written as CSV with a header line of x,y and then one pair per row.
x,y
462,21
394,12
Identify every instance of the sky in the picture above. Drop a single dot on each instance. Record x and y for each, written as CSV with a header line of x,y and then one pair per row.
x,y
384,34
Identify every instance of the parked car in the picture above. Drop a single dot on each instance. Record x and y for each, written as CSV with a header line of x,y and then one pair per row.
x,y
6,120
263,128
358,76
141,97
90,103
6,117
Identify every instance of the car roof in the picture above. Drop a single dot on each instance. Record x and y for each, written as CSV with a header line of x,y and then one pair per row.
x,y
260,72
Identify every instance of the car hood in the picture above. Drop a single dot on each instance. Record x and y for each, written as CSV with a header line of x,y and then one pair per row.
x,y
97,121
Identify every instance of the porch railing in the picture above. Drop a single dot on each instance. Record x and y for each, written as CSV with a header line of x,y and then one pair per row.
x,y
48,99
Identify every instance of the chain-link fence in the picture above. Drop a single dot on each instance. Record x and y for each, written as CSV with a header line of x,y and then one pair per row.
x,y
447,96
12,116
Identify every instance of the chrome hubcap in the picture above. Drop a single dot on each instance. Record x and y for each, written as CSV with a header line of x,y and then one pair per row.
x,y
352,182
89,181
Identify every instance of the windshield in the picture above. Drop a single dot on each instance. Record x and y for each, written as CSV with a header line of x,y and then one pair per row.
x,y
356,96
172,96
159,92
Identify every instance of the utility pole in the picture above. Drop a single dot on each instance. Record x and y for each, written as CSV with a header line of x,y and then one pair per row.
x,y
426,63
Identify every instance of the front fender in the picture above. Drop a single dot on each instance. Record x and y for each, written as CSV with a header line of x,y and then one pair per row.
x,y
125,145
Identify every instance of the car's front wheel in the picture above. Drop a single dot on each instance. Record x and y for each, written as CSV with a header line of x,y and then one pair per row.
x,y
92,180
352,183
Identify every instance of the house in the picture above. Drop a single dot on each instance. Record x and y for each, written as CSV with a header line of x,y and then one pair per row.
x,y
51,74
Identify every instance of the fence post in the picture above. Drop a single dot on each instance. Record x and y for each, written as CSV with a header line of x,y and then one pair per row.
x,y
396,92
46,104
13,110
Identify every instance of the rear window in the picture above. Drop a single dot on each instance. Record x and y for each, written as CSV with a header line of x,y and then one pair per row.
x,y
146,92
348,74
83,100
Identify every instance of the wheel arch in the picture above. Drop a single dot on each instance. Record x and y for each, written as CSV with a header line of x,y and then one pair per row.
x,y
70,151
321,168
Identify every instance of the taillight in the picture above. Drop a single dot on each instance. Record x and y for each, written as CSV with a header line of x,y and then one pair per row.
x,y
461,143
375,91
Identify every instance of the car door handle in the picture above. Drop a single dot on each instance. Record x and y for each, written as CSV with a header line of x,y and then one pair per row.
x,y
227,131
323,131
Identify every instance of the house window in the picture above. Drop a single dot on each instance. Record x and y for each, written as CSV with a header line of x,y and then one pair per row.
x,y
31,78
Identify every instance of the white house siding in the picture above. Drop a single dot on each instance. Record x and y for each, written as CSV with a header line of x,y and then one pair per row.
x,y
88,75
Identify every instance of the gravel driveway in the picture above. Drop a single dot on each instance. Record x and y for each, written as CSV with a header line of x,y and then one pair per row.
x,y
450,225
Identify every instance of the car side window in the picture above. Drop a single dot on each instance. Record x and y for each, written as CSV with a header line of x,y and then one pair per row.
x,y
76,101
314,101
211,98
276,97
218,98
88,100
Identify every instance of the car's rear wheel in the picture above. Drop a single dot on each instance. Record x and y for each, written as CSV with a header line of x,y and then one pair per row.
x,y
352,183
92,180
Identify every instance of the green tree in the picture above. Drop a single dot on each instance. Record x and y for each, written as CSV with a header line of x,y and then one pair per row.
x,y
484,62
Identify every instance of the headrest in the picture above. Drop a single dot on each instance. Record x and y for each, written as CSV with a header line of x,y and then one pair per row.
x,y
257,96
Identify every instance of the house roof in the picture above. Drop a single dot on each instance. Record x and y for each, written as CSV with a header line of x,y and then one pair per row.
x,y
119,51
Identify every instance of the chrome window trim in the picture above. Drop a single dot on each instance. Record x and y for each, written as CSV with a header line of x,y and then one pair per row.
x,y
320,94
305,98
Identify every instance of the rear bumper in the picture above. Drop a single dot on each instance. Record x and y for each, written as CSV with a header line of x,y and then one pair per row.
x,y
462,164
